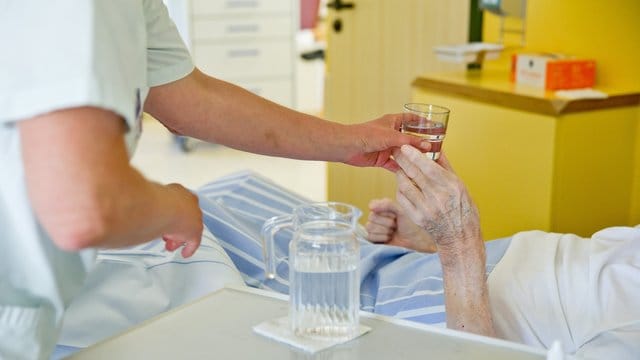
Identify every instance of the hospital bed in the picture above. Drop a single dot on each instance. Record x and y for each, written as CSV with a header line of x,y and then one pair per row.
x,y
394,281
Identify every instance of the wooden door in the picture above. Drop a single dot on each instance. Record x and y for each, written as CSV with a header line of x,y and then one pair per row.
x,y
381,47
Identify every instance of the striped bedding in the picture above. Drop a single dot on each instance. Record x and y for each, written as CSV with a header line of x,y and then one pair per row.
x,y
394,281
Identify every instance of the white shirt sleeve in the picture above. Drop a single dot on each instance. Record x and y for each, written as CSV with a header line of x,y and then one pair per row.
x,y
66,54
167,56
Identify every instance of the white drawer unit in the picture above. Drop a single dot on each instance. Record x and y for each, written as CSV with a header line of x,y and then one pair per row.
x,y
250,43
246,60
226,7
239,29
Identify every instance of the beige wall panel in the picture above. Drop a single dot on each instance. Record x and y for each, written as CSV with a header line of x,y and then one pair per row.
x,y
383,46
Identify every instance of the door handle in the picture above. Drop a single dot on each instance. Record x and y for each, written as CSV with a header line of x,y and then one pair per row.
x,y
339,5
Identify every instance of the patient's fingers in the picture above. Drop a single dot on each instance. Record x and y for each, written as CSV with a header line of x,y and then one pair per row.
x,y
384,205
417,165
431,178
409,167
408,195
380,226
384,221
378,238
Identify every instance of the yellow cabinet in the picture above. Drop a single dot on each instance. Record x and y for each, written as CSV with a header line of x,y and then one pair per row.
x,y
533,161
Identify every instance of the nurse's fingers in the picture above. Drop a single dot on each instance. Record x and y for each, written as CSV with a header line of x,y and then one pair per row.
x,y
190,248
170,244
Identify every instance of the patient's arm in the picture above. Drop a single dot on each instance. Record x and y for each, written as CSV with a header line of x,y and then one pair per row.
x,y
435,199
389,224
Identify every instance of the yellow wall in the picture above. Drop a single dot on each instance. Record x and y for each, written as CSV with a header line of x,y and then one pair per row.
x,y
594,167
606,31
635,203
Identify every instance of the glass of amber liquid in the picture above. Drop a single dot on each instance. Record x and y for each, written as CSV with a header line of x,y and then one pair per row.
x,y
428,122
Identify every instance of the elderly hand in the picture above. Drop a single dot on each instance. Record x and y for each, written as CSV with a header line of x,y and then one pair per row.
x,y
389,224
434,198
376,141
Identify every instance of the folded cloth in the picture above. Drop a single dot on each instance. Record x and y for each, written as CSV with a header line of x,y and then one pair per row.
x,y
586,93
555,353
279,330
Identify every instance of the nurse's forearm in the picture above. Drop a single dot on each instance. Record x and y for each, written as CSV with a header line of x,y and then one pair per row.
x,y
83,190
213,110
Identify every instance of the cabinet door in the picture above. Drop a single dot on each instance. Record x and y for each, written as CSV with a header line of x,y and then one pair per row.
x,y
380,49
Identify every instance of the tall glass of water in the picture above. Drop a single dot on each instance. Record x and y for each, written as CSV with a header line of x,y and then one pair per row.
x,y
324,283
426,121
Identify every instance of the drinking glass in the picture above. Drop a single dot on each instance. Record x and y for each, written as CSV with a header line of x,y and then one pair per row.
x,y
428,122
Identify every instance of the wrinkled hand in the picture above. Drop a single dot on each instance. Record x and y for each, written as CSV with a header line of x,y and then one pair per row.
x,y
389,224
188,223
436,199
376,141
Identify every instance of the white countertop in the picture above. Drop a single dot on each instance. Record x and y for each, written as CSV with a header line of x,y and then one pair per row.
x,y
220,326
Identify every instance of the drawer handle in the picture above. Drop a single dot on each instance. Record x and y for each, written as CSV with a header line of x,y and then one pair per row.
x,y
248,28
237,53
234,4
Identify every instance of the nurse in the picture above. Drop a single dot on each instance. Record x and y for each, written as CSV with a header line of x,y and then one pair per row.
x,y
75,77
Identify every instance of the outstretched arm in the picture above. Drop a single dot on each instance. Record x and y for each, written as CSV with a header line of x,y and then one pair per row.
x,y
213,110
435,199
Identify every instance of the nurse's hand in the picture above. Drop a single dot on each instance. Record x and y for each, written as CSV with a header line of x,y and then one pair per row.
x,y
436,199
388,224
372,143
187,227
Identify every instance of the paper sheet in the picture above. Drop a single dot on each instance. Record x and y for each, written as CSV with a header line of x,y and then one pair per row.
x,y
279,330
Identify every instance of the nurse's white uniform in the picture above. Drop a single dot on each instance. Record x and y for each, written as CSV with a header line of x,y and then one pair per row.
x,y
56,55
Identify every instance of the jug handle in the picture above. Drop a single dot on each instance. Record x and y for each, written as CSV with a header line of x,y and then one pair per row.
x,y
268,232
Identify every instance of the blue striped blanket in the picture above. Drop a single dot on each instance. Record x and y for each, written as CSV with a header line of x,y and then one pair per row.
x,y
394,281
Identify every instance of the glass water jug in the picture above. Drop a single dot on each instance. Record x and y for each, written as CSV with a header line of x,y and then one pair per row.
x,y
324,280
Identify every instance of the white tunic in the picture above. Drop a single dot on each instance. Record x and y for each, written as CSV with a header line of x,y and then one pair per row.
x,y
57,55
583,292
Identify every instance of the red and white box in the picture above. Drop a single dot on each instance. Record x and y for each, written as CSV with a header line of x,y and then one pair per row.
x,y
552,72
